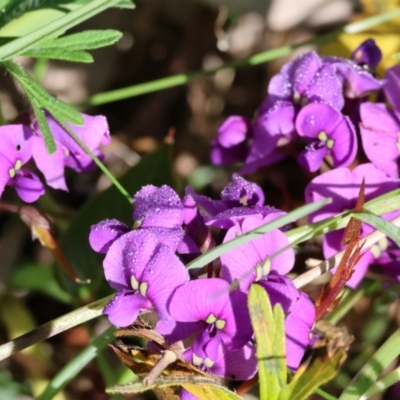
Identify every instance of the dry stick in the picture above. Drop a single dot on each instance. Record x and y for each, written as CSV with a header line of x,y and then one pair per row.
x,y
332,262
54,327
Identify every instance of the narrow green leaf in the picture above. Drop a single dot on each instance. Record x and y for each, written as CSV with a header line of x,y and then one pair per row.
x,y
60,54
216,252
43,124
60,110
54,28
386,227
267,330
309,377
211,392
369,373
86,40
72,369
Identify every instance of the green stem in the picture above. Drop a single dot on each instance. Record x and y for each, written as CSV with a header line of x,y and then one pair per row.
x,y
260,58
97,161
325,395
54,327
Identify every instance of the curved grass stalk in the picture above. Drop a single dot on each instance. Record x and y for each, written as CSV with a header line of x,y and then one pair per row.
x,y
260,58
54,327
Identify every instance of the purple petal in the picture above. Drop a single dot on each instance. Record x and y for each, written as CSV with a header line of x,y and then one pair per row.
x,y
195,300
336,184
242,192
312,156
208,205
229,218
367,53
105,233
220,155
28,186
276,120
124,308
234,130
16,142
298,326
128,256
160,207
50,165
5,166
322,122
185,395
392,86
171,237
240,263
357,82
163,274
326,87
239,365
380,138
280,290
93,133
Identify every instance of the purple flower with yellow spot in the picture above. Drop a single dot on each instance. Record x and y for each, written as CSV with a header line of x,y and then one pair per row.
x,y
257,262
158,210
208,306
15,151
331,133
144,272
216,358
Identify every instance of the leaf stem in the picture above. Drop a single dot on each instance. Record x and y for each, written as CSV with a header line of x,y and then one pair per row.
x,y
54,327
259,58
105,170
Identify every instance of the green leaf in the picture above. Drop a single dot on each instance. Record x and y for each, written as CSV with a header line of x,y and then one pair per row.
x,y
72,369
211,392
214,253
16,8
270,342
386,227
370,372
54,28
60,54
309,377
201,386
43,124
86,40
38,278
60,110
154,169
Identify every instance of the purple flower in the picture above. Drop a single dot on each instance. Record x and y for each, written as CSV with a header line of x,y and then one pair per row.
x,y
380,136
250,263
216,358
240,198
230,145
273,125
308,79
332,134
16,146
144,272
158,210
391,86
93,133
367,54
208,306
343,186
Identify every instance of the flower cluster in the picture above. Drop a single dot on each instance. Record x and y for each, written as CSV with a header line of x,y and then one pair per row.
x,y
23,142
318,110
208,313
